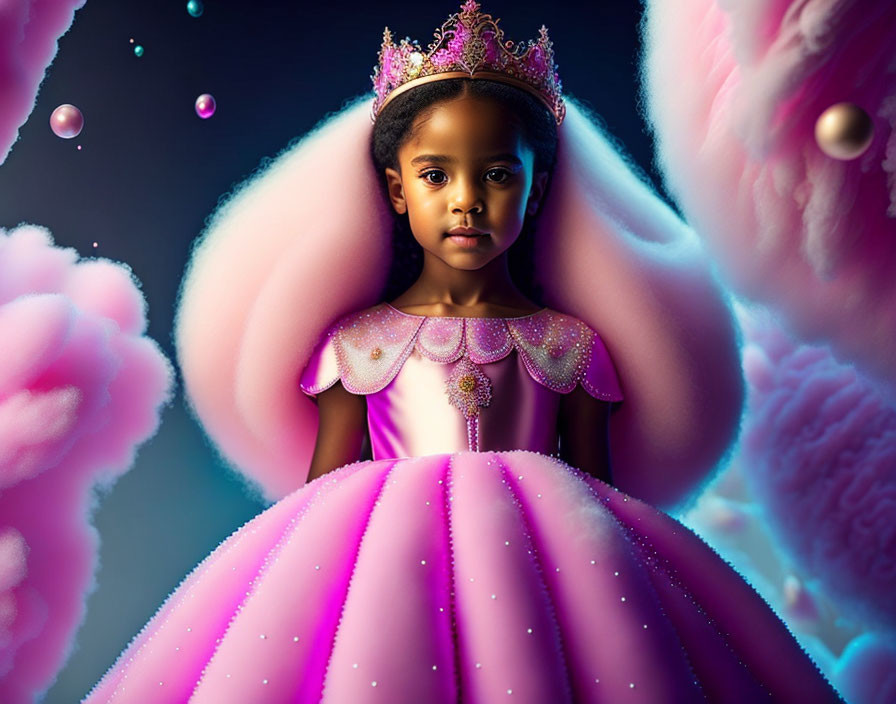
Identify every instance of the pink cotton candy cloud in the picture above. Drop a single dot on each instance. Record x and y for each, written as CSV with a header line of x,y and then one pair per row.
x,y
80,387
819,454
733,89
29,31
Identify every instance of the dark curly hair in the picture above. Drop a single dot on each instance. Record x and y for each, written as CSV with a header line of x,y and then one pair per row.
x,y
393,128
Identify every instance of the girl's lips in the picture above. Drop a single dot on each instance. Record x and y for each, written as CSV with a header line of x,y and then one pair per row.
x,y
465,231
466,241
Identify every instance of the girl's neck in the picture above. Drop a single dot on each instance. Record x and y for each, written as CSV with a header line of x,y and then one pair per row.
x,y
446,290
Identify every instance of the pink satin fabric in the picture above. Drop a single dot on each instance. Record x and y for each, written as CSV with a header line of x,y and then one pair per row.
x,y
412,417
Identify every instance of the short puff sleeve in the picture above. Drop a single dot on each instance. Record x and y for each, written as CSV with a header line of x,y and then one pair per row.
x,y
600,379
321,371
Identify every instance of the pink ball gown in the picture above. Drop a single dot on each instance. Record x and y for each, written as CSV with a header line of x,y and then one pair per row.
x,y
463,563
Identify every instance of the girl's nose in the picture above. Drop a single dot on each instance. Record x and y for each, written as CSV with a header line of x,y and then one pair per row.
x,y
466,198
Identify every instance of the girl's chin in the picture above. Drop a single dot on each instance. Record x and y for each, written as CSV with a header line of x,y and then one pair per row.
x,y
467,261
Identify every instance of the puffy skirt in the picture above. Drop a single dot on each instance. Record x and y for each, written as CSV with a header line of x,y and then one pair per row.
x,y
464,577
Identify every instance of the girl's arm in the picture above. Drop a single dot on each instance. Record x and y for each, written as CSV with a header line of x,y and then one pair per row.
x,y
341,430
584,423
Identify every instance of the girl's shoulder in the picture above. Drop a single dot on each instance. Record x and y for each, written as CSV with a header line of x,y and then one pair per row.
x,y
366,349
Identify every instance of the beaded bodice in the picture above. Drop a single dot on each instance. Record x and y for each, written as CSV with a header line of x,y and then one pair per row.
x,y
443,384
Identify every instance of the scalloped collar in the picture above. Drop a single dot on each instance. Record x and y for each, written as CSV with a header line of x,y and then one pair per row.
x,y
372,345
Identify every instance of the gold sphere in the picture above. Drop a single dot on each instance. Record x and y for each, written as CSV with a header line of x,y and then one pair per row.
x,y
844,131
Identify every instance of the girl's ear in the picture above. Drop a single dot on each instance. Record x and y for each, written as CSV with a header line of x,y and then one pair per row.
x,y
396,191
536,192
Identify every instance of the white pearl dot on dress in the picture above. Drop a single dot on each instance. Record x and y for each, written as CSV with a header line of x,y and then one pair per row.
x,y
373,684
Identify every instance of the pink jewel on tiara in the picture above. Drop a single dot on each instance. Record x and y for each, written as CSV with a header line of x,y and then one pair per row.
x,y
468,44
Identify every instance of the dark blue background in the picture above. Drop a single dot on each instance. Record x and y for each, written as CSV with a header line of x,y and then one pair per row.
x,y
150,172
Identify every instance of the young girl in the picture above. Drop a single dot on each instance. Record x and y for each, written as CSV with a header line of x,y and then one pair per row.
x,y
481,552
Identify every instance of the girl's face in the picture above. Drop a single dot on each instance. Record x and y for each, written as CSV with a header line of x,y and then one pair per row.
x,y
465,165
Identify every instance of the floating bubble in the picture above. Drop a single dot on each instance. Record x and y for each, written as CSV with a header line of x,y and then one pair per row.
x,y
66,121
138,50
195,8
844,131
205,106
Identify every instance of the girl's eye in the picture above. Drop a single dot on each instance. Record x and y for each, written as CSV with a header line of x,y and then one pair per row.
x,y
425,176
503,175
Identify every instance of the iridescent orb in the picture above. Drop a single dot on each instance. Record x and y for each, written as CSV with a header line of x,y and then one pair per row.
x,y
195,8
844,131
138,50
66,121
205,106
